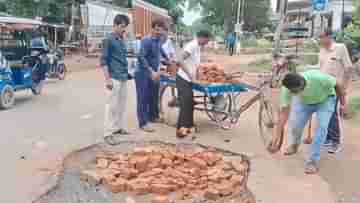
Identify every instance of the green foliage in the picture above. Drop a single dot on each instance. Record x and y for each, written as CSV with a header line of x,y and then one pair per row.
x,y
354,106
223,13
32,8
2,7
58,8
174,7
311,46
352,31
202,24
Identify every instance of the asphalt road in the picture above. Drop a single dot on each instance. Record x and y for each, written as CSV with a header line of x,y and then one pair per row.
x,y
39,131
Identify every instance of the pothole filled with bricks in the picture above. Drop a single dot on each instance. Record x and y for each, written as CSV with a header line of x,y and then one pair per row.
x,y
152,173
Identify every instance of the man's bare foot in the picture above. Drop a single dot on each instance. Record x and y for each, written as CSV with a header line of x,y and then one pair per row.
x,y
182,132
308,140
273,149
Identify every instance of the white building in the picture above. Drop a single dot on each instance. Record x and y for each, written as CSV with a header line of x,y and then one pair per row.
x,y
331,17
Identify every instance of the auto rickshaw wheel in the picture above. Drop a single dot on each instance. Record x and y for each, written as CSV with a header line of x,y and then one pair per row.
x,y
7,97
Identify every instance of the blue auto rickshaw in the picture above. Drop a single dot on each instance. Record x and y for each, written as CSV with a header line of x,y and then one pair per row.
x,y
18,71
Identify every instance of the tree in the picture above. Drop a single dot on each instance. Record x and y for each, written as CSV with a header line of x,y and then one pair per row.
x,y
353,30
32,8
2,7
223,13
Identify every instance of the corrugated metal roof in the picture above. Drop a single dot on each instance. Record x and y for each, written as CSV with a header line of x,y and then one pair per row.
x,y
15,20
151,7
299,4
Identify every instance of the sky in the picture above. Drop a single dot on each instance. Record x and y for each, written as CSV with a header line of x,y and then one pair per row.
x,y
191,16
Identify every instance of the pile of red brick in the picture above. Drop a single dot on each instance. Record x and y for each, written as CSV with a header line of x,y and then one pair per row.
x,y
211,73
166,170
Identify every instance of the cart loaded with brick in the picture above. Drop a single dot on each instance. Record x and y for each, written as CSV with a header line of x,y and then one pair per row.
x,y
217,93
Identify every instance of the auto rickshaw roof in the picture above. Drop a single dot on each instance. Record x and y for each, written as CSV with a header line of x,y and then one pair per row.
x,y
16,23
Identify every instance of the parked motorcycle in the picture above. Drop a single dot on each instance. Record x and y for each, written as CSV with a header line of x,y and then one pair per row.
x,y
57,67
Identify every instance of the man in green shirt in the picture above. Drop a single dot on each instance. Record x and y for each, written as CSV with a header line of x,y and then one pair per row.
x,y
308,93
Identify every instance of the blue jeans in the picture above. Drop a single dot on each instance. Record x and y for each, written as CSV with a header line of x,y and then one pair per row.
x,y
301,114
334,127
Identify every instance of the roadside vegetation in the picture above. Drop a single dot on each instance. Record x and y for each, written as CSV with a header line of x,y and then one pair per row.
x,y
354,108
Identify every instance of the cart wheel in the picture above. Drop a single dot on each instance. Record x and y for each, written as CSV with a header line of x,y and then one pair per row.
x,y
7,97
169,110
62,72
267,120
211,109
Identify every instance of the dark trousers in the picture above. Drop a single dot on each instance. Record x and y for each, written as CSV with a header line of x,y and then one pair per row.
x,y
142,82
231,49
185,94
334,127
154,109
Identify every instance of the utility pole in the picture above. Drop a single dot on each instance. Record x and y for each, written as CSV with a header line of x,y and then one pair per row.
x,y
238,12
283,9
343,18
238,26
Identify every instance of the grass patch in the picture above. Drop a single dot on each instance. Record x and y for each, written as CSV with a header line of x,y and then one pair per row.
x,y
256,43
262,65
354,108
311,46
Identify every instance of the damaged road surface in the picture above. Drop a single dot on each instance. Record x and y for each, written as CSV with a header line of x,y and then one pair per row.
x,y
152,173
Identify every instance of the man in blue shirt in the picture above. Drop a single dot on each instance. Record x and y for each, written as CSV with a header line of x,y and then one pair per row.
x,y
231,42
115,66
147,76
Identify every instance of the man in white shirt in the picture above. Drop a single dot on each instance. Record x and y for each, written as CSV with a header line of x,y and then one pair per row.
x,y
137,44
189,61
169,48
335,61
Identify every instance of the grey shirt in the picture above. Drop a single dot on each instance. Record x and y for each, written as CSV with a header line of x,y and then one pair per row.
x,y
114,56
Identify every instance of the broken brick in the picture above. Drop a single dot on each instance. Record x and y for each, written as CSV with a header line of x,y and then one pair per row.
x,y
142,151
117,186
154,161
162,189
166,162
160,199
141,163
240,167
237,180
225,189
140,188
183,194
212,194
90,176
108,175
102,163
114,166
198,162
165,170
